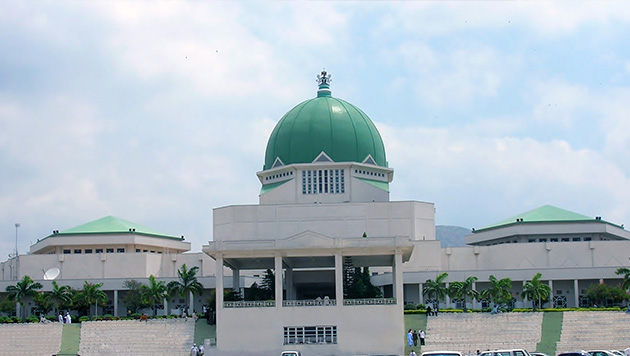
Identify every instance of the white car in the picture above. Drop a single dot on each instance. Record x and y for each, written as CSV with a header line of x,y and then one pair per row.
x,y
442,353
509,352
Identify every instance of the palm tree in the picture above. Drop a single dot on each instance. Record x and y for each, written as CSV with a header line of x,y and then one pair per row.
x,y
22,290
499,290
60,296
625,284
463,290
187,283
155,293
436,288
92,294
535,291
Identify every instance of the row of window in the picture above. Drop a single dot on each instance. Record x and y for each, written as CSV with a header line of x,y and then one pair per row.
x,y
369,173
310,335
322,181
100,250
544,239
279,175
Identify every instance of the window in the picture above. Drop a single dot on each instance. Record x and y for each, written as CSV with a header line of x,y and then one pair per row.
x,y
88,250
77,250
137,250
310,335
109,250
531,240
542,240
98,250
587,239
565,239
66,252
553,239
323,181
120,250
577,239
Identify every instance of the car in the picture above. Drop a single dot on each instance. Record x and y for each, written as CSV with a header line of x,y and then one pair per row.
x,y
601,353
290,353
618,353
507,352
538,354
442,353
575,353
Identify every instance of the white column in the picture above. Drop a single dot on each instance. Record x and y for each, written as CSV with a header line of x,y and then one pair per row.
x,y
116,302
398,279
339,279
420,290
550,294
576,289
278,278
474,301
165,302
524,301
219,284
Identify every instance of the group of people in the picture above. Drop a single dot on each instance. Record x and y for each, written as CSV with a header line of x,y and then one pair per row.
x,y
197,351
413,336
64,318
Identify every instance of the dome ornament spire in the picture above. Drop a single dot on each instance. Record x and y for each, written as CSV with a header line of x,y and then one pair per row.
x,y
323,79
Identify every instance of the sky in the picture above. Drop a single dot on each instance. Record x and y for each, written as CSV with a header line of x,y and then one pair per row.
x,y
159,111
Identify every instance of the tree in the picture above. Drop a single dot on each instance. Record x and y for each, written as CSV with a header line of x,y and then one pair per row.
x,y
60,296
91,294
43,303
536,291
186,284
435,288
601,294
154,293
463,290
361,285
625,284
21,290
134,297
499,291
268,285
7,306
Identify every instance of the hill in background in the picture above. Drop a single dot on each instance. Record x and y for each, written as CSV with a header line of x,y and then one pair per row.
x,y
451,235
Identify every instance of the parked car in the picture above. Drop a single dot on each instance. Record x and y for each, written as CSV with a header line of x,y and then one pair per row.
x,y
507,352
290,353
442,353
601,353
575,353
538,354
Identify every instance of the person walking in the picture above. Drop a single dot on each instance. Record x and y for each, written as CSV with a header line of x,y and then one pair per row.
x,y
202,350
410,338
415,338
194,351
422,335
413,353
627,351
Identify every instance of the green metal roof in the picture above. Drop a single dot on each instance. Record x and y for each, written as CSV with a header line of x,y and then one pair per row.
x,y
271,186
546,213
378,184
334,126
112,225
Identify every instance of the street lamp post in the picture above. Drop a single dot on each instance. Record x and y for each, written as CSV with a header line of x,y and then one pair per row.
x,y
17,226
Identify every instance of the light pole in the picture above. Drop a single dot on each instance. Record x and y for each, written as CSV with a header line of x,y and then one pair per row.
x,y
17,226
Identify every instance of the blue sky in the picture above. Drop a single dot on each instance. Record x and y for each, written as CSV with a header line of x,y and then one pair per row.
x,y
157,112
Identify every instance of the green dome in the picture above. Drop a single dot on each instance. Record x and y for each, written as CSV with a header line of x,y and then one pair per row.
x,y
334,126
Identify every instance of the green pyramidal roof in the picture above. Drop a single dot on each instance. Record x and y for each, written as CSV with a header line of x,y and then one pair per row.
x,y
546,213
111,225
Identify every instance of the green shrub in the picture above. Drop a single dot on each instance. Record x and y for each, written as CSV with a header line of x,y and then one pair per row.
x,y
421,306
136,315
6,320
32,319
410,307
84,318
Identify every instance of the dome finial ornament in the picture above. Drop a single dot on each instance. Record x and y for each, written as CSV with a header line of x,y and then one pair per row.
x,y
323,78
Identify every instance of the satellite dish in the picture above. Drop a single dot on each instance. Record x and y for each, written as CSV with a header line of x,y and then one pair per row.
x,y
51,274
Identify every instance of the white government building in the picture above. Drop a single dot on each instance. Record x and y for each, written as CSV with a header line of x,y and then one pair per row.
x,y
324,206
